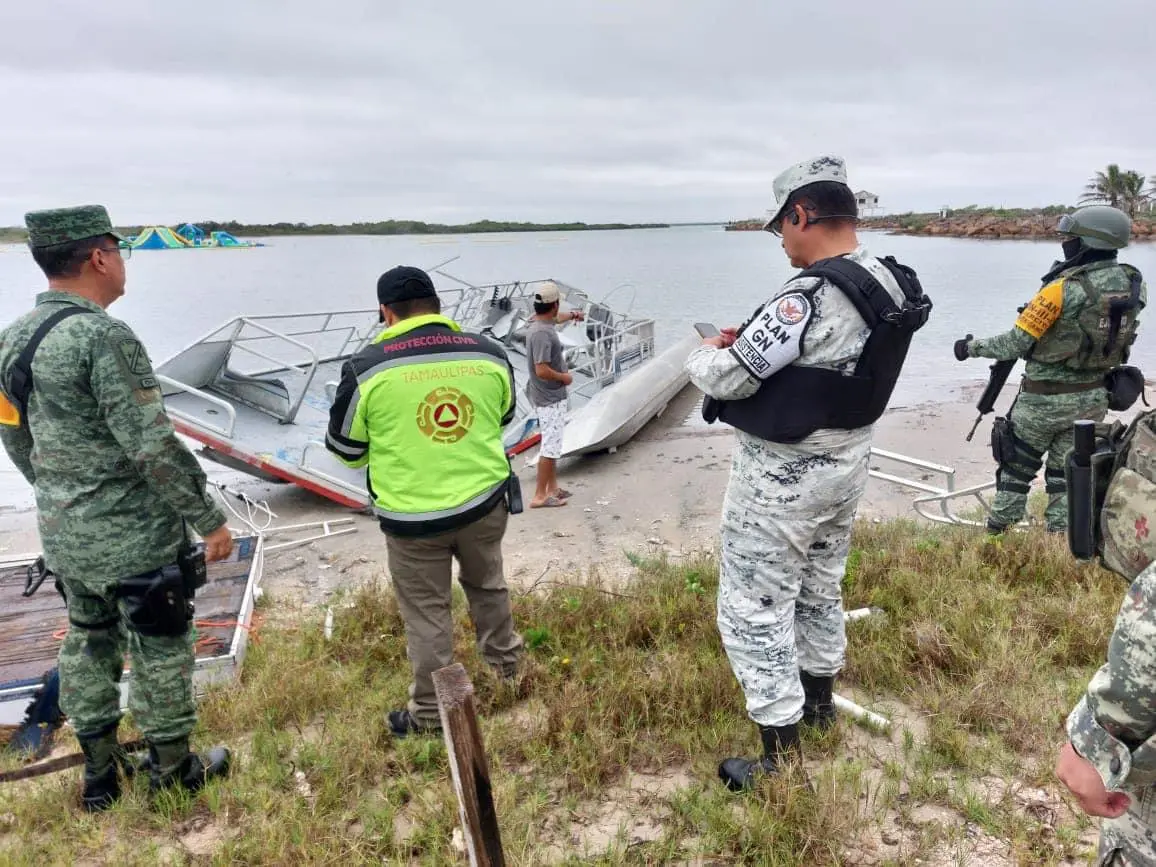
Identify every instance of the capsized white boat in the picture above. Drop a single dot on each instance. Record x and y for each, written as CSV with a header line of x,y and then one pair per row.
x,y
256,391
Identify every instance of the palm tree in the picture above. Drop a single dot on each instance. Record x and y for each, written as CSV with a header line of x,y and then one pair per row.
x,y
1105,187
1133,197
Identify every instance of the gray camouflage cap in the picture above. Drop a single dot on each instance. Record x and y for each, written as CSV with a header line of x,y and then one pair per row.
x,y
64,225
824,168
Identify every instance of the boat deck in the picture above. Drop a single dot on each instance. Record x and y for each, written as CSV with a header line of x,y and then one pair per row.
x,y
249,438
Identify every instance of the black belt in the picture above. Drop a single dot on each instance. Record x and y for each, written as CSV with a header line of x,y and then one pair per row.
x,y
1039,386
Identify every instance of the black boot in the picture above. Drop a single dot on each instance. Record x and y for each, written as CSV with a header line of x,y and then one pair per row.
x,y
101,783
994,528
780,744
170,763
818,701
132,764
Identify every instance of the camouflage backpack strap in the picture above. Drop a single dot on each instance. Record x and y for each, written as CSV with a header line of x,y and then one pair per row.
x,y
18,384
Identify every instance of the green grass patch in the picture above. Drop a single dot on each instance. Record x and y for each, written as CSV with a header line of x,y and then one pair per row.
x,y
990,642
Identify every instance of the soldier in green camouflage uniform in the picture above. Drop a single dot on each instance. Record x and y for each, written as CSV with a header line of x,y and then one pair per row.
x,y
114,488
1109,762
1070,340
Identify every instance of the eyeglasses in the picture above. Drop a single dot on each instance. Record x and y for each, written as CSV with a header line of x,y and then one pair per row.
x,y
775,227
125,252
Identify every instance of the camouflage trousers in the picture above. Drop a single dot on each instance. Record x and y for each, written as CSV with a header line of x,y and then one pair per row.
x,y
786,532
92,661
1130,841
1042,423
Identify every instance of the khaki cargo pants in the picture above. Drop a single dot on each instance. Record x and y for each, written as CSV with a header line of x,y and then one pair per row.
x,y
422,569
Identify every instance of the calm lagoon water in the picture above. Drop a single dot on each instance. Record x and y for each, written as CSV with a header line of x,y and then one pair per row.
x,y
677,276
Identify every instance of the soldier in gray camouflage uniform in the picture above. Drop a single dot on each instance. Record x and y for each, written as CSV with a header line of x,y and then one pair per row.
x,y
114,487
1109,762
1067,335
788,510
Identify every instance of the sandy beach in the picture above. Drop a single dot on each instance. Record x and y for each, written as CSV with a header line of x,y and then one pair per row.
x,y
659,494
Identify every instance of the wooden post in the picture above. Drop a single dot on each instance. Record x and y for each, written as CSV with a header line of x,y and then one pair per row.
x,y
471,772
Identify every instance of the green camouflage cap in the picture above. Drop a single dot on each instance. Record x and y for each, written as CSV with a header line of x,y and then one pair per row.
x,y
824,168
64,225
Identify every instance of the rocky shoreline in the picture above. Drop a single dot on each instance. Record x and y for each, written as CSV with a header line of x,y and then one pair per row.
x,y
1037,227
1033,227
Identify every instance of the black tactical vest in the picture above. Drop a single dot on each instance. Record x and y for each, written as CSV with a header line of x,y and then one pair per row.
x,y
796,401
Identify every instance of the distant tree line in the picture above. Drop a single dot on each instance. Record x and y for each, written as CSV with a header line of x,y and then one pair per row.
x,y
15,234
410,227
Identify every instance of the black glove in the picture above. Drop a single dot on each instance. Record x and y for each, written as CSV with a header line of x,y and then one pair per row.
x,y
961,348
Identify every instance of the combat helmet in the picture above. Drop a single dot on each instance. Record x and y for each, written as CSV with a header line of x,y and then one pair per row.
x,y
1100,227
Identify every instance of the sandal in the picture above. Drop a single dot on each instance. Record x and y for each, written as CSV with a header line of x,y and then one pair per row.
x,y
549,503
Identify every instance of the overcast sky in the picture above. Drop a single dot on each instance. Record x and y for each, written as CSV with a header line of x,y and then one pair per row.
x,y
671,110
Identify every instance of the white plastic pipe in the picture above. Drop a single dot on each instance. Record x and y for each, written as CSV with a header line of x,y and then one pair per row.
x,y
861,713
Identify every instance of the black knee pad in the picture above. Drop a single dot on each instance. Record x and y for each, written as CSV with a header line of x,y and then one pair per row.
x,y
155,602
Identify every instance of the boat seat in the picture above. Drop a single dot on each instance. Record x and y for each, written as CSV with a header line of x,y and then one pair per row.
x,y
268,394
597,321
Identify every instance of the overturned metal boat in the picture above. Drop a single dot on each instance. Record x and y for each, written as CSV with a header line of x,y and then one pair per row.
x,y
256,391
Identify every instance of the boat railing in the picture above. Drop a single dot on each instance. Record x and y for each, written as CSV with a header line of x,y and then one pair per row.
x,y
314,469
248,352
937,501
614,352
230,411
306,370
938,506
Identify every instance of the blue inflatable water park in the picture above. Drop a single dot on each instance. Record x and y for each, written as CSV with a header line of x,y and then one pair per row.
x,y
187,237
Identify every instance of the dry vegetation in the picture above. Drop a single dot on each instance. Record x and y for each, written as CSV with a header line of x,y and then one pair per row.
x,y
606,750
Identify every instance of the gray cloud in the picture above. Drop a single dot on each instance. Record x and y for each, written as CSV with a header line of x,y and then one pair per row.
x,y
516,110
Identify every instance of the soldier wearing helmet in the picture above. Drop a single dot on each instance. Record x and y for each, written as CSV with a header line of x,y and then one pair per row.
x,y
1075,334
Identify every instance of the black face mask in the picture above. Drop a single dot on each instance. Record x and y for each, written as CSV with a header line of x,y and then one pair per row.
x,y
1072,247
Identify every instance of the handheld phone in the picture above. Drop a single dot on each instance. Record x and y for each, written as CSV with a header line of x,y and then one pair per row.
x,y
706,329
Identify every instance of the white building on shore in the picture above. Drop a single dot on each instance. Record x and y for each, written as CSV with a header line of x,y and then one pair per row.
x,y
868,203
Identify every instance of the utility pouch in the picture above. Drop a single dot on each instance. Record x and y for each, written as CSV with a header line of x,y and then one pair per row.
x,y
1125,384
155,603
1003,444
514,494
711,407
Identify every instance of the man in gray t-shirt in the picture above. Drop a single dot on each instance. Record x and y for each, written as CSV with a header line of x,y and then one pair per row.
x,y
546,389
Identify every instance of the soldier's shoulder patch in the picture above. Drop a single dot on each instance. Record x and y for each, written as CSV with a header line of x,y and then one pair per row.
x,y
130,355
775,337
135,356
129,349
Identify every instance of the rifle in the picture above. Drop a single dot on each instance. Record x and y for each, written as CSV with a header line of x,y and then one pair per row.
x,y
995,383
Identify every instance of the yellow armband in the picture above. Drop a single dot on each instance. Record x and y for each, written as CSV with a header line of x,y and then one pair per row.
x,y
1043,310
9,414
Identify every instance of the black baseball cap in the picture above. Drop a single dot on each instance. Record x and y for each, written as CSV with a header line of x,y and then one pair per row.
x,y
404,283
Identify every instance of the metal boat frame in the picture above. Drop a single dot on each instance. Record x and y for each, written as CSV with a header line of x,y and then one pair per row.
x,y
256,390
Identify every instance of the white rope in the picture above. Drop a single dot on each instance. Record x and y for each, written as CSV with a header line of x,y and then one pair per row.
x,y
254,511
